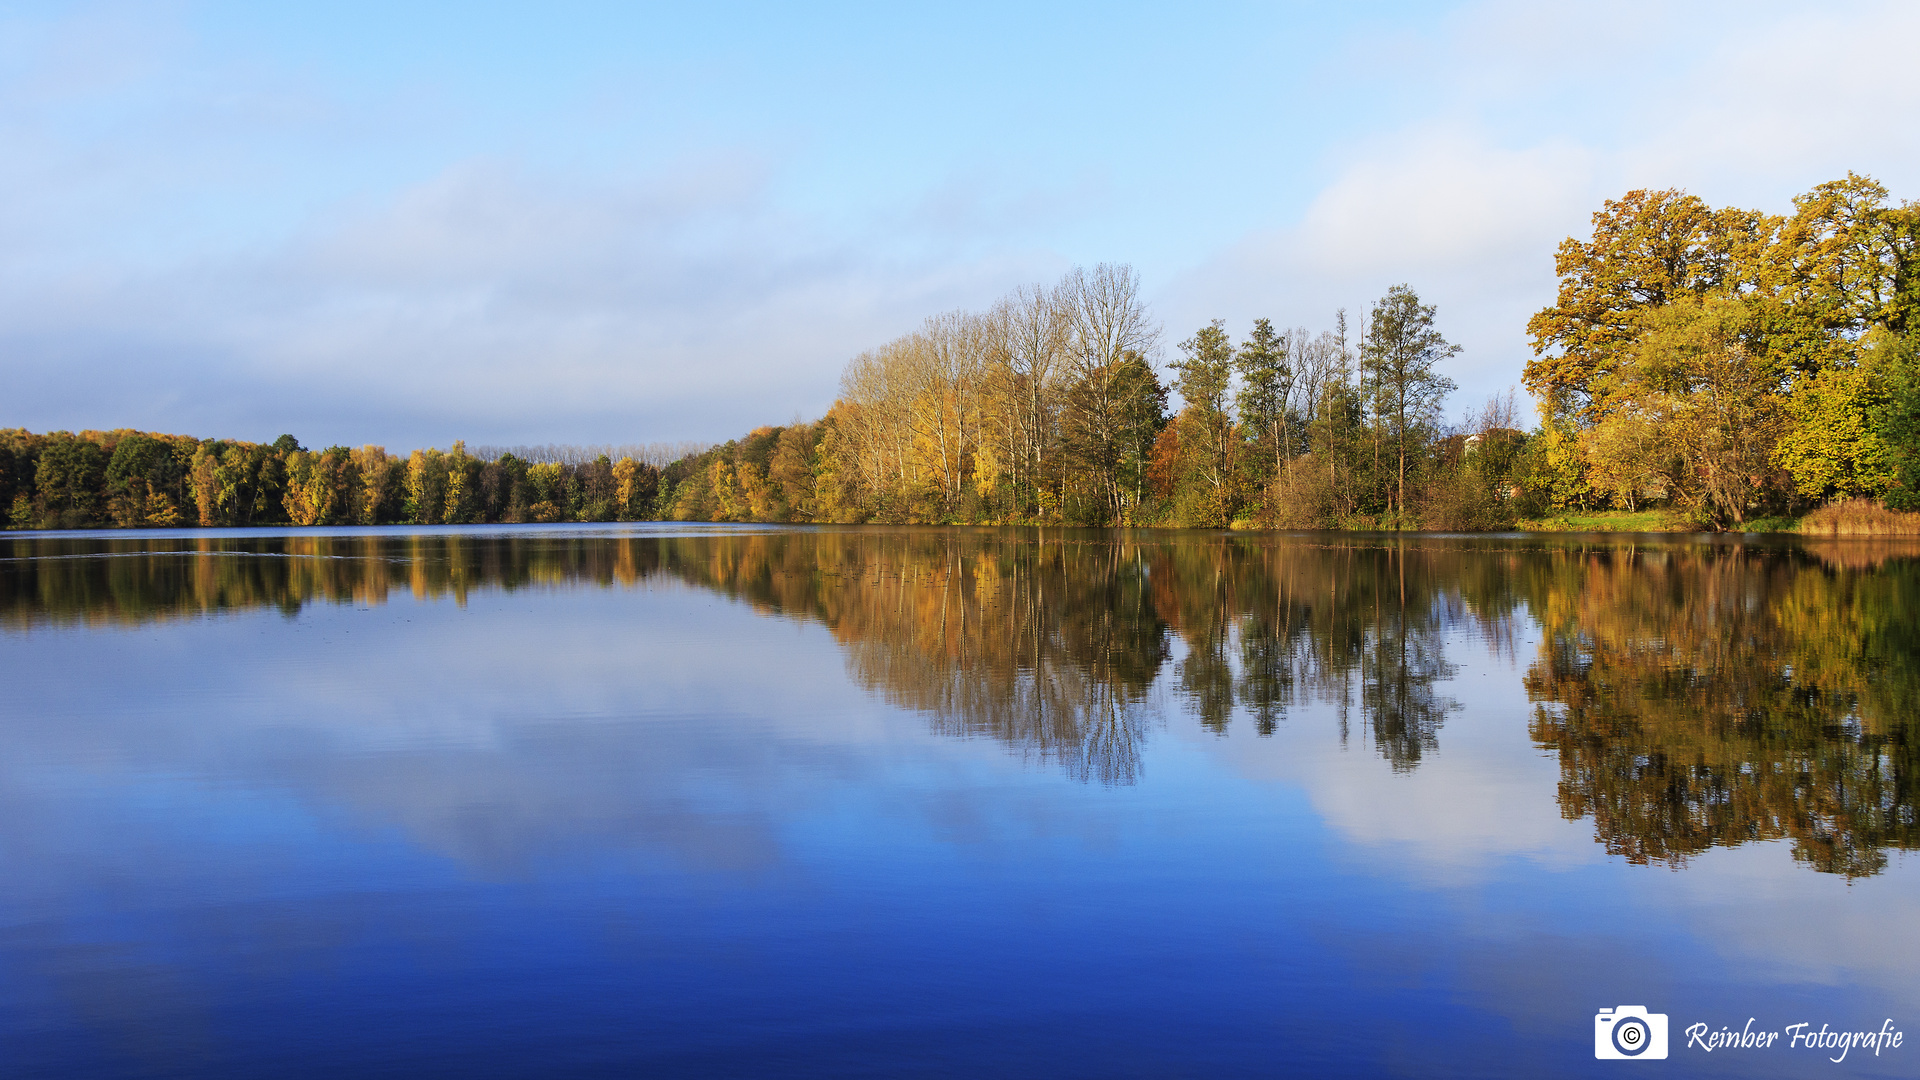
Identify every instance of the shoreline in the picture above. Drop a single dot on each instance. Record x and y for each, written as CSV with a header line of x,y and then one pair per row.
x,y
1595,524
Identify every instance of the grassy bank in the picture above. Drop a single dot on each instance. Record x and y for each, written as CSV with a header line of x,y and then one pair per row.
x,y
1649,521
1612,521
1856,517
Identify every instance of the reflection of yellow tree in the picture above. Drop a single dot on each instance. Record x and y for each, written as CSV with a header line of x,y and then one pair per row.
x,y
1695,696
1047,641
1719,695
1047,644
1051,642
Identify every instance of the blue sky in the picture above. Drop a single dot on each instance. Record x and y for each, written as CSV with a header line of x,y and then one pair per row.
x,y
407,224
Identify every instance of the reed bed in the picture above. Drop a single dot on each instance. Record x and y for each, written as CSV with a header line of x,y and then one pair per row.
x,y
1860,517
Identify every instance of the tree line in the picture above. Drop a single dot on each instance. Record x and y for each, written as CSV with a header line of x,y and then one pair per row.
x,y
1725,364
1048,408
134,479
1052,407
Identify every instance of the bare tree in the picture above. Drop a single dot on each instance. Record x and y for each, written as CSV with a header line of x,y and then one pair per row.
x,y
975,353
876,423
932,370
1038,335
1109,321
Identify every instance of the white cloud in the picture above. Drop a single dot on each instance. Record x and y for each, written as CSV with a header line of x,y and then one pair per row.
x,y
1441,197
1792,102
1518,121
677,304
205,241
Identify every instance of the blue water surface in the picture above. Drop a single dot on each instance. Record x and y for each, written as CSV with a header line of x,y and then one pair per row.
x,y
569,824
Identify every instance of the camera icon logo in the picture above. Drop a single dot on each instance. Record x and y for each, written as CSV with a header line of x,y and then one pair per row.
x,y
1629,1031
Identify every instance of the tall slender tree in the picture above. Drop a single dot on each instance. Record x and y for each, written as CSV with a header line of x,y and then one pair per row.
x,y
1266,392
1206,427
1399,364
1109,321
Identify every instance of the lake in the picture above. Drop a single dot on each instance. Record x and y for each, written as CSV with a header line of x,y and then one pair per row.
x,y
748,801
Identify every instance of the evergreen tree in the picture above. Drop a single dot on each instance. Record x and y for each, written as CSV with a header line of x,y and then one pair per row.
x,y
1266,389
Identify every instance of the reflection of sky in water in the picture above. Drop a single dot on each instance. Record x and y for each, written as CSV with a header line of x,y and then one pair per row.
x,y
577,829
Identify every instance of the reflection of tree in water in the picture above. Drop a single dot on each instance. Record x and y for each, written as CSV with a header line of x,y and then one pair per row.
x,y
60,580
1398,690
1052,642
1720,696
1696,695
1350,626
1047,646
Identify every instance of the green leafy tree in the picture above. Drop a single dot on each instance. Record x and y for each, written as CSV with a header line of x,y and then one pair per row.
x,y
68,480
1399,365
142,478
1266,385
1207,433
1142,415
1557,468
1831,446
1897,421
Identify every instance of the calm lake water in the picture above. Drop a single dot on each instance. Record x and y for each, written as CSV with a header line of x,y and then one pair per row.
x,y
742,801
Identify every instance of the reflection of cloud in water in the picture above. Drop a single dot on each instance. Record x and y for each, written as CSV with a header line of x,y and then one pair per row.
x,y
1751,934
585,789
497,737
1482,818
500,735
1783,924
1695,695
617,709
1488,799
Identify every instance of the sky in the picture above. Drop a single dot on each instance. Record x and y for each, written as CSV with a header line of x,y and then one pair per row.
x,y
407,224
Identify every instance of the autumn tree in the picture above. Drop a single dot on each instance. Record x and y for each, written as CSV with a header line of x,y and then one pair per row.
x,y
321,487
1717,403
1036,330
1110,323
1649,249
1808,311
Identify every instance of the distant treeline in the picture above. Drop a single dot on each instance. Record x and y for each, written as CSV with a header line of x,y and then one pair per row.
x,y
133,479
1724,364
